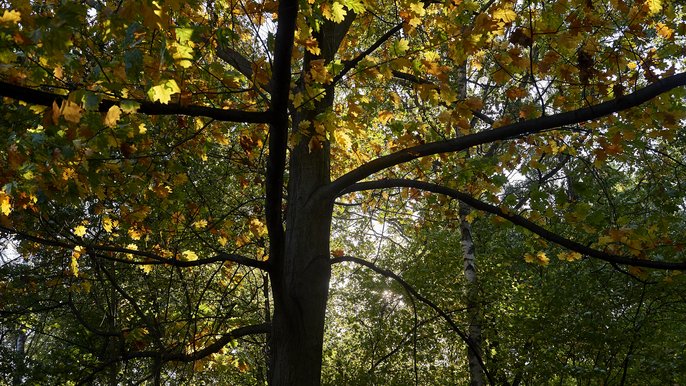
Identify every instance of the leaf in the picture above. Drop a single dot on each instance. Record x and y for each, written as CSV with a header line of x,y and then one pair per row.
x,y
188,255
80,231
335,12
654,6
664,31
338,252
504,15
10,17
129,106
108,224
539,258
5,206
401,46
257,228
112,117
356,6
71,111
162,92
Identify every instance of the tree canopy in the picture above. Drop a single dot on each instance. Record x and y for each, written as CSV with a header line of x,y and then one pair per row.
x,y
306,192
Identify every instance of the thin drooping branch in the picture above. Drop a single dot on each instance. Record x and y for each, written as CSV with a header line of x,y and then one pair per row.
x,y
154,259
407,287
517,220
217,345
278,129
514,130
43,98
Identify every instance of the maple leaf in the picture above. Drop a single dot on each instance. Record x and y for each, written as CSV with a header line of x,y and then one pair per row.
x,y
80,231
654,6
108,224
188,255
10,17
5,206
504,15
257,228
664,31
162,92
338,252
112,117
335,12
74,263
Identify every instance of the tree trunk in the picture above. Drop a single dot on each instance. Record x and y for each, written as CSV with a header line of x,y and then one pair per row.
x,y
471,293
300,282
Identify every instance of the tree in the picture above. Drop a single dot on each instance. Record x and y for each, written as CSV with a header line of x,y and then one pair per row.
x,y
171,169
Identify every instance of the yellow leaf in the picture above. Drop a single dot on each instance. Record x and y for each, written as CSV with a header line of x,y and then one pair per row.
x,y
200,224
80,230
654,6
74,263
189,256
5,206
342,139
569,256
257,228
504,15
135,234
664,31
113,115
385,116
335,12
162,92
540,258
418,8
68,173
146,268
108,224
71,111
10,17
222,241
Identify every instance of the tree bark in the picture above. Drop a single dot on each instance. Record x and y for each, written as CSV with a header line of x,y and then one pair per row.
x,y
301,282
476,373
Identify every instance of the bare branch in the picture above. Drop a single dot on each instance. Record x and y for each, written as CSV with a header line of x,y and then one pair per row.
x,y
37,97
517,220
514,130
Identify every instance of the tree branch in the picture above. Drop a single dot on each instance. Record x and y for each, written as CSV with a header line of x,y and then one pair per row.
x,y
278,130
236,60
515,219
518,129
407,287
37,97
350,64
239,332
157,259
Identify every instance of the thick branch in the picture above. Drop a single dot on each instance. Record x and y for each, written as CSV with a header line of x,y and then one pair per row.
x,y
239,332
236,60
506,132
44,98
278,130
97,250
517,220
407,287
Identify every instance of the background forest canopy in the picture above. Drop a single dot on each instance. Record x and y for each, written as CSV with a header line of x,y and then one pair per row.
x,y
342,192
